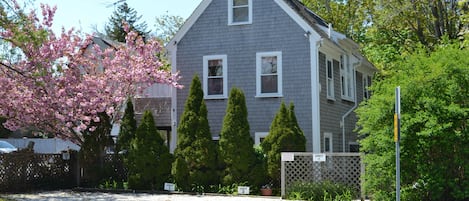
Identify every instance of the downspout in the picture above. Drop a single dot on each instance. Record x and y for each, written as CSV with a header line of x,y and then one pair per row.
x,y
342,123
173,59
315,44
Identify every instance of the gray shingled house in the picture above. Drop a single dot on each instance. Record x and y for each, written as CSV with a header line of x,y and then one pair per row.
x,y
273,50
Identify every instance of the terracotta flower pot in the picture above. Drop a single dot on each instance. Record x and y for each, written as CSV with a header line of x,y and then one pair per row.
x,y
266,191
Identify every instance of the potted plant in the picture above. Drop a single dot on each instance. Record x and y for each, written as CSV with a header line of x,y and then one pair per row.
x,y
266,190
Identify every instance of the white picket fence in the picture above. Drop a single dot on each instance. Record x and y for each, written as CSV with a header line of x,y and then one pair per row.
x,y
43,146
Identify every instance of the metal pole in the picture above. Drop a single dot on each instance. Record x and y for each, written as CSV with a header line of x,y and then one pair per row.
x,y
397,136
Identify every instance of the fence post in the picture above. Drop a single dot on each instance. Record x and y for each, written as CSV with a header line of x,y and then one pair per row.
x,y
282,173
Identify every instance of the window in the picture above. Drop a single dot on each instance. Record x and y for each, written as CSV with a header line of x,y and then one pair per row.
x,y
239,12
259,137
330,80
269,74
354,147
346,80
328,142
215,77
366,83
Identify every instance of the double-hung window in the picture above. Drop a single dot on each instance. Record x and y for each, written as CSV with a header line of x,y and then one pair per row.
x,y
269,74
366,83
346,80
239,12
215,76
330,80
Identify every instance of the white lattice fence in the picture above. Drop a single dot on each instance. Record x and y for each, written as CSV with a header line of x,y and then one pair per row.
x,y
344,168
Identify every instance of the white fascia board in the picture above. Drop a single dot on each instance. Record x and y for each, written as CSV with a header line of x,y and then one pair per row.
x,y
189,22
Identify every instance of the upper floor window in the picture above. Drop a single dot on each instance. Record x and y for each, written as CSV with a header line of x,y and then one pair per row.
x,y
366,83
269,74
239,12
346,79
330,80
215,76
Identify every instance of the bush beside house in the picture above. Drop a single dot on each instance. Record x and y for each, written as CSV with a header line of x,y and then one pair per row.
x,y
149,157
237,153
196,158
285,136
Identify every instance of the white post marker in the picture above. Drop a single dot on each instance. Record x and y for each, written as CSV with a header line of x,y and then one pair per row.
x,y
397,138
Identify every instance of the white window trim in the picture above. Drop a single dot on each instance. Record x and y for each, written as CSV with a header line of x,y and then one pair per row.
x,y
330,97
258,136
331,140
346,75
230,14
259,56
225,76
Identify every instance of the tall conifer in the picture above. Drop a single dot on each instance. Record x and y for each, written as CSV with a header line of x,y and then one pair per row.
x,y
285,136
236,144
196,154
149,157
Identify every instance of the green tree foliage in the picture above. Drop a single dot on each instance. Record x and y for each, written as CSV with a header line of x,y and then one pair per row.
x,y
149,158
127,129
349,17
196,154
92,150
124,13
167,26
236,145
434,131
285,136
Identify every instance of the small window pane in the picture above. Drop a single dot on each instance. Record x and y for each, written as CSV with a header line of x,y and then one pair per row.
x,y
241,14
329,69
327,147
269,84
215,86
240,2
215,67
269,65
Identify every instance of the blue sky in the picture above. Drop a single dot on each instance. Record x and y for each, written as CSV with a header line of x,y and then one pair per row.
x,y
85,14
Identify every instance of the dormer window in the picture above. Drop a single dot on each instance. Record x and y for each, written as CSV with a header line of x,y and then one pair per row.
x,y
239,12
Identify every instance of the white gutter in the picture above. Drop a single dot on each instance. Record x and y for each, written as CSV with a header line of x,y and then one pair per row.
x,y
351,109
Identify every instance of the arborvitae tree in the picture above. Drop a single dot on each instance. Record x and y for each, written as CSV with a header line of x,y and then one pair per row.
x,y
92,150
124,13
236,144
285,136
299,140
127,129
196,154
149,157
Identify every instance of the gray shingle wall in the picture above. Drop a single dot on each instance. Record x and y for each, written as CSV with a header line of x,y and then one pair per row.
x,y
272,30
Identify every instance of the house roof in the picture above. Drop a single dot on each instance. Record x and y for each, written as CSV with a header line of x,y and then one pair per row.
x,y
302,15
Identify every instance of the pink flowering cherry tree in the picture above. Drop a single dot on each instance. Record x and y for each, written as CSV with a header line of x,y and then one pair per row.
x,y
59,83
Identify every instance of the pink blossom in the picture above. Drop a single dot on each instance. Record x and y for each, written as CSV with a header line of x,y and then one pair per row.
x,y
64,101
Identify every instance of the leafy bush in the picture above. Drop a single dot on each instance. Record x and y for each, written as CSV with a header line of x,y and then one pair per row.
x,y
149,158
320,191
285,136
236,145
196,155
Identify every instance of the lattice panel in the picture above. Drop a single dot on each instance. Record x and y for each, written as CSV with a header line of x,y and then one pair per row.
x,y
338,168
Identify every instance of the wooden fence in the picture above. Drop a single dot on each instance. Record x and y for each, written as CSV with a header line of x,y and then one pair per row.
x,y
25,171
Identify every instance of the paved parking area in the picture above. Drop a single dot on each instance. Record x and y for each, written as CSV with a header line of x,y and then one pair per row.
x,y
88,196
